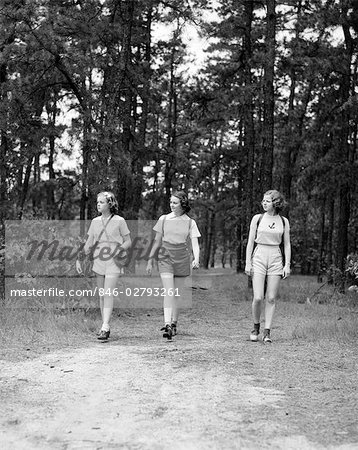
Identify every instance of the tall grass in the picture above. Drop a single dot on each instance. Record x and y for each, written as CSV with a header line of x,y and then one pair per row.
x,y
320,312
310,311
305,289
33,328
317,327
327,315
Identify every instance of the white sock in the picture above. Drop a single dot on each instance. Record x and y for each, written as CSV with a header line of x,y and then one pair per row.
x,y
105,327
175,315
168,315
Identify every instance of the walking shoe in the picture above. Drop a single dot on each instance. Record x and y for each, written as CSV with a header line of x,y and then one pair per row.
x,y
99,333
168,332
254,335
103,335
267,338
174,328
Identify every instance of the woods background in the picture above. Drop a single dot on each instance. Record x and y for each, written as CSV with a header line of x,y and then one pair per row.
x,y
108,95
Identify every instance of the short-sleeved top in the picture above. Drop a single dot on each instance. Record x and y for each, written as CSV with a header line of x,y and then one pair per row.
x,y
115,231
176,228
270,229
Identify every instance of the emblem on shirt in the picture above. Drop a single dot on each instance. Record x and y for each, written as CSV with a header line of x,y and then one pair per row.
x,y
272,226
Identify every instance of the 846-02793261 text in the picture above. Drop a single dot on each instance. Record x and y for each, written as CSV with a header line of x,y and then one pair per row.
x,y
116,292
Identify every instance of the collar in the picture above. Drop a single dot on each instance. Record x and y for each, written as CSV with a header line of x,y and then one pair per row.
x,y
171,215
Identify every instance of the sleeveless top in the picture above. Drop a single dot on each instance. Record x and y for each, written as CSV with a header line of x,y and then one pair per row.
x,y
270,230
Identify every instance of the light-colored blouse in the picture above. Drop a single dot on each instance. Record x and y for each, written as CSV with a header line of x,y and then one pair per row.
x,y
115,231
177,229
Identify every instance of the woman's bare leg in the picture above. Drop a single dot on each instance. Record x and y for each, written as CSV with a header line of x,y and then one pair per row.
x,y
273,284
100,284
258,285
178,300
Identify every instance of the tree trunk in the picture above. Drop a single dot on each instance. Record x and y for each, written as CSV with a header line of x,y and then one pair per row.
x,y
269,100
329,259
225,247
3,174
287,168
214,239
342,232
86,152
142,128
3,184
172,131
321,244
25,186
207,239
245,196
344,145
52,115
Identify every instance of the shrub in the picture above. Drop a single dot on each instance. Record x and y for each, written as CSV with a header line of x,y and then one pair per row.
x,y
352,268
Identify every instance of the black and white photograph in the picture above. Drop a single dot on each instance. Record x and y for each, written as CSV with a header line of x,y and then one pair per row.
x,y
178,224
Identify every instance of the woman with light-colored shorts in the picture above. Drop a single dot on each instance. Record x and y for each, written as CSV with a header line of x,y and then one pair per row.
x,y
108,236
265,261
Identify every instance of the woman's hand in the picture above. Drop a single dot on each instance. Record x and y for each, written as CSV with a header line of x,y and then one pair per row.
x,y
286,272
195,264
149,267
78,267
248,270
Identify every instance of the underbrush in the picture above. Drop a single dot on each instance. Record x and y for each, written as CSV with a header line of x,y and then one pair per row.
x,y
319,311
305,289
316,327
307,310
40,326
310,312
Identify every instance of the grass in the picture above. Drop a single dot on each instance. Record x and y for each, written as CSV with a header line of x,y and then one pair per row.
x,y
38,330
313,358
329,316
321,313
323,322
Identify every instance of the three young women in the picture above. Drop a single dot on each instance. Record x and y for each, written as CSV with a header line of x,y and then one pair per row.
x,y
177,235
268,255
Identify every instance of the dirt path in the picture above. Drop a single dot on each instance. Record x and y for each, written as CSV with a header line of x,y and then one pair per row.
x,y
68,400
209,389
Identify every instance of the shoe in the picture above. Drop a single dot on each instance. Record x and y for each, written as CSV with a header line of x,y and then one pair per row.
x,y
254,335
267,338
103,335
168,332
99,333
174,329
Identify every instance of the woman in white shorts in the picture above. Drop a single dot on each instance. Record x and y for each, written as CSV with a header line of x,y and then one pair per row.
x,y
173,231
265,261
108,236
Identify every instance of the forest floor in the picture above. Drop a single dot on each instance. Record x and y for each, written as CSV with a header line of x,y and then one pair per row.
x,y
210,388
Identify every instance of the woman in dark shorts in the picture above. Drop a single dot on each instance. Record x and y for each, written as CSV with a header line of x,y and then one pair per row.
x,y
174,232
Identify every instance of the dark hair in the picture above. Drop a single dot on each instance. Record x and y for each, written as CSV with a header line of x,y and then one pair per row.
x,y
111,200
278,200
184,201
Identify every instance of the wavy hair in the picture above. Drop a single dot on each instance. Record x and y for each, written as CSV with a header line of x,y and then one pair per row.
x,y
111,200
278,200
184,201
